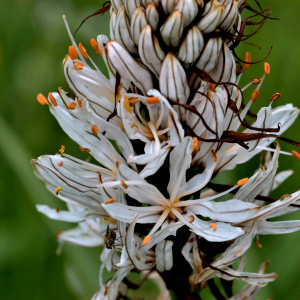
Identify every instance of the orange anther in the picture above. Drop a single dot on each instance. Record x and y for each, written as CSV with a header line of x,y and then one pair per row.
x,y
146,240
41,99
134,100
79,102
256,80
95,129
285,196
247,60
62,149
57,190
213,226
258,245
212,87
124,185
72,52
60,163
242,181
213,154
275,97
296,154
57,234
52,99
111,200
127,104
133,124
152,100
267,68
78,65
191,219
86,150
57,209
254,95
72,105
95,46
83,51
195,144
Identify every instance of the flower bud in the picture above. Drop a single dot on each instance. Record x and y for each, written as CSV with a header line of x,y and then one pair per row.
x,y
138,22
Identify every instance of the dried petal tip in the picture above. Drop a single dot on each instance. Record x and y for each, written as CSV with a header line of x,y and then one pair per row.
x,y
191,219
254,95
86,150
258,245
275,97
52,99
256,80
242,181
60,163
111,200
96,47
73,53
152,100
95,129
78,65
72,105
83,51
247,60
213,154
41,99
146,240
296,154
62,149
57,190
267,68
213,226
124,185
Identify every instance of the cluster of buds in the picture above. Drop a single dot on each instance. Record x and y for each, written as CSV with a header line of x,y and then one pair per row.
x,y
163,124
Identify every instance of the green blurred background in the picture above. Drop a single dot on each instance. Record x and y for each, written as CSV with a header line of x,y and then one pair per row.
x,y
33,43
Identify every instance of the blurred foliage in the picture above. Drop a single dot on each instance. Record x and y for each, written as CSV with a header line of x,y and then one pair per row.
x,y
33,42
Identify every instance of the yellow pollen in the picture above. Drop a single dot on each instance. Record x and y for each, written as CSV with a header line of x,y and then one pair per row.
x,y
60,163
78,65
57,190
213,226
247,60
86,150
127,104
195,144
213,154
122,128
79,102
95,129
96,47
275,97
256,80
124,185
146,240
133,124
296,154
72,105
41,99
191,219
239,251
83,51
152,100
111,200
52,99
242,181
267,68
254,95
285,196
62,149
258,245
73,53
212,87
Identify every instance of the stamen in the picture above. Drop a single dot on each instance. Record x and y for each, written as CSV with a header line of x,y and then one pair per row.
x,y
96,47
79,102
86,150
124,185
41,99
195,144
213,153
146,240
60,163
191,218
127,104
256,80
275,97
212,87
57,190
242,181
267,68
72,105
83,51
254,95
285,196
78,65
247,59
62,149
257,244
213,226
111,200
152,100
296,154
95,129
133,124
52,99
73,53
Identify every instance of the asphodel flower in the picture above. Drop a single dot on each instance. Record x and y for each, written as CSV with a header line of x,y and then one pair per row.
x,y
160,127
